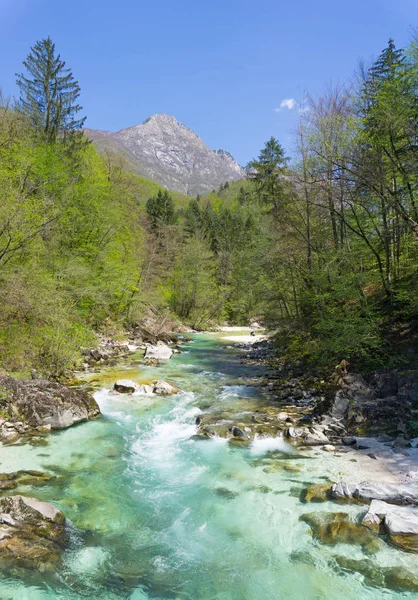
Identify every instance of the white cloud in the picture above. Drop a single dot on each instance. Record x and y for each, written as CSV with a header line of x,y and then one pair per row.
x,y
289,103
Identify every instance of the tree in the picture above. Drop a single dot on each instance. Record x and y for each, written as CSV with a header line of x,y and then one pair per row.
x,y
268,174
160,210
49,93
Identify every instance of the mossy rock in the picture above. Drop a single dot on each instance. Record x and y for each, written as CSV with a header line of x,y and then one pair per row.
x,y
335,528
226,493
317,492
393,578
291,468
407,543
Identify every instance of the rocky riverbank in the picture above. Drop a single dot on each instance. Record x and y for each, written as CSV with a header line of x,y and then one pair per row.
x,y
292,419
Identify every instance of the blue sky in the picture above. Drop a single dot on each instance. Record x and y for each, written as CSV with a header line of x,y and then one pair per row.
x,y
220,67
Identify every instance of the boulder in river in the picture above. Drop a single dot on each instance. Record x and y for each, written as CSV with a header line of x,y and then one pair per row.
x,y
388,492
34,404
237,432
158,352
316,492
400,522
336,528
125,386
32,534
394,578
162,388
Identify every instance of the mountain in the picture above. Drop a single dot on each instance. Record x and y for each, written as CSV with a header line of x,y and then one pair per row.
x,y
168,152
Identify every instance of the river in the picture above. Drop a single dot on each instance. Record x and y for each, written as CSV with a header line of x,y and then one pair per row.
x,y
156,514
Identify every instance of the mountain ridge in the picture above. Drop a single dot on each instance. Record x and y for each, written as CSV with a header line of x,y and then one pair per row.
x,y
170,153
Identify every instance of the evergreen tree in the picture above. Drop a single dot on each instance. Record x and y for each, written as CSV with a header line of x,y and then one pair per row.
x,y
192,218
267,172
49,93
160,210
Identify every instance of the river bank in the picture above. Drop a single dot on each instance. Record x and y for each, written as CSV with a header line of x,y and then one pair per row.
x,y
155,510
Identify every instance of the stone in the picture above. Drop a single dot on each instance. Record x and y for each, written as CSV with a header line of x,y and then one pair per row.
x,y
335,528
353,389
401,442
158,352
96,354
392,578
384,437
385,384
237,432
349,440
295,433
317,492
32,534
400,522
283,416
162,388
397,520
329,448
316,438
44,403
392,493
125,386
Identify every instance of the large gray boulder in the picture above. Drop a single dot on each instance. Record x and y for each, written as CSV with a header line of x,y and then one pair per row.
x,y
32,534
42,404
162,388
388,492
353,389
158,352
400,523
398,520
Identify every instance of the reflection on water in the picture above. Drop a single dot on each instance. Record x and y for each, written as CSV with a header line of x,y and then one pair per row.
x,y
157,515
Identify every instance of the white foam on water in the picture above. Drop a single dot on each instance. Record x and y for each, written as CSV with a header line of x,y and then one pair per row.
x,y
87,560
212,375
236,391
261,445
161,442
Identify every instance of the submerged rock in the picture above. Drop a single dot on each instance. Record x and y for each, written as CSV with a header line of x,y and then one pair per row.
x,y
335,528
9,481
32,534
34,404
317,492
393,578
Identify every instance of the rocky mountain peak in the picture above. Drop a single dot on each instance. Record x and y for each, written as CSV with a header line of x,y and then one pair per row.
x,y
168,152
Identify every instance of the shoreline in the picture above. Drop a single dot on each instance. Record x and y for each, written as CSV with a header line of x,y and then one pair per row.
x,y
378,462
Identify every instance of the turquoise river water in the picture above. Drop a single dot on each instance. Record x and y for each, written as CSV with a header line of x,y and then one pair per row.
x,y
155,514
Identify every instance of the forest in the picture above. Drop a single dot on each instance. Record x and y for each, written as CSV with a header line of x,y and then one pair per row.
x,y
321,247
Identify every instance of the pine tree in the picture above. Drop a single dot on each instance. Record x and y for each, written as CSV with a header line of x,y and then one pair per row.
x,y
160,210
49,93
267,172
